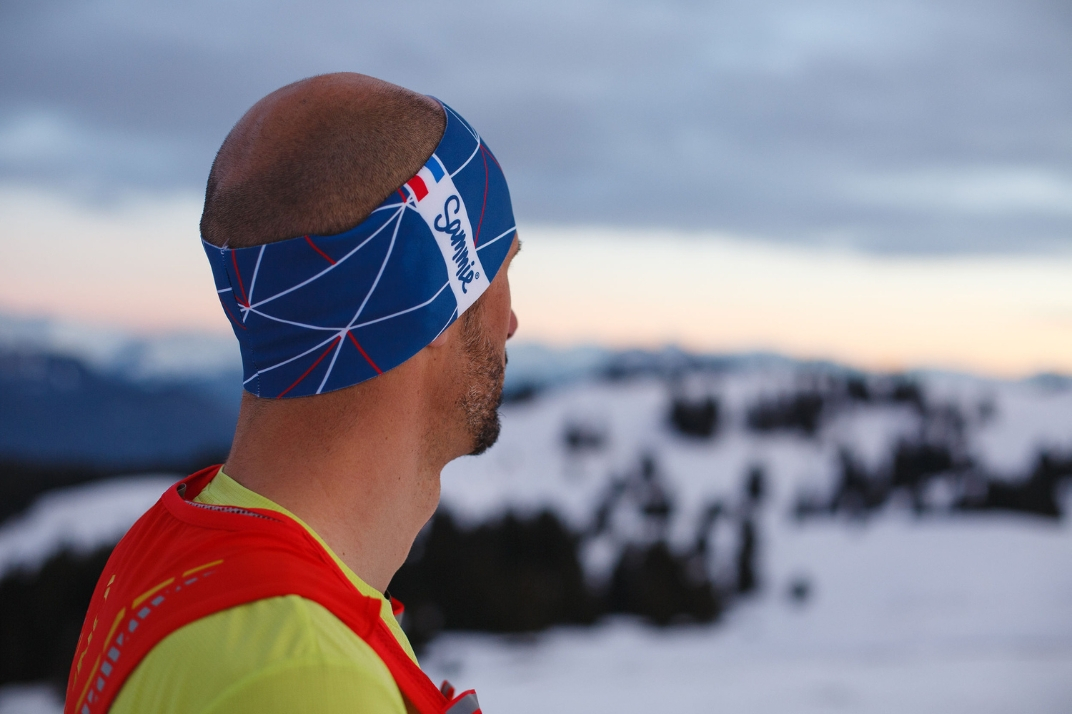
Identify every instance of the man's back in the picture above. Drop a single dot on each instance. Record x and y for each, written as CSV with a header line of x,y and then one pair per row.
x,y
282,654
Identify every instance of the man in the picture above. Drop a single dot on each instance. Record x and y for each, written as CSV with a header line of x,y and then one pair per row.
x,y
359,236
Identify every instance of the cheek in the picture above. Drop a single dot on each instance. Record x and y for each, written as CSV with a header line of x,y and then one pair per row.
x,y
507,304
499,307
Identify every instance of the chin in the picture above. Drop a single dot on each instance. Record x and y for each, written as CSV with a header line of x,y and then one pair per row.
x,y
487,437
486,429
484,374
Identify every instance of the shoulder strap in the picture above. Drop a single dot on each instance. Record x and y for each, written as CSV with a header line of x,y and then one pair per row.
x,y
184,560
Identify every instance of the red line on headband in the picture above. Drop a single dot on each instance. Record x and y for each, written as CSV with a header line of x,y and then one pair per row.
x,y
404,199
311,368
234,259
324,255
484,156
225,309
482,146
364,354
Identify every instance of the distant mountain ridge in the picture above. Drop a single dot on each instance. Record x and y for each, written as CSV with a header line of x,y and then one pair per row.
x,y
55,409
172,356
73,394
79,396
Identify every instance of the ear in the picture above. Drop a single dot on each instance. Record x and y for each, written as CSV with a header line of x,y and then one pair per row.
x,y
440,340
443,337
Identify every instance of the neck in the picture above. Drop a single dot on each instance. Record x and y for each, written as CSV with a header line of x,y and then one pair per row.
x,y
359,466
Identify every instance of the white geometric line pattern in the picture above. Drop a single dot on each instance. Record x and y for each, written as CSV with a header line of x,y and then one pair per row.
x,y
328,269
253,281
288,361
390,249
379,274
426,303
508,231
340,333
343,330
475,152
333,342
331,366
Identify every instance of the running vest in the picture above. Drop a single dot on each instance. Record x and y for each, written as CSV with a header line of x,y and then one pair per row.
x,y
183,560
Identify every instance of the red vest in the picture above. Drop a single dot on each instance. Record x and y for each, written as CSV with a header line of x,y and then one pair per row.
x,y
183,561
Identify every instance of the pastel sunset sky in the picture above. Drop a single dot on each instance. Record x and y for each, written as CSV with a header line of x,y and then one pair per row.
x,y
883,184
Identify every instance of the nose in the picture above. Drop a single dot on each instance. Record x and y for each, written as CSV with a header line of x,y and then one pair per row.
x,y
513,325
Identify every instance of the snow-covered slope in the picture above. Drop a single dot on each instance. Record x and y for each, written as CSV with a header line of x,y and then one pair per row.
x,y
948,611
80,519
1008,423
939,617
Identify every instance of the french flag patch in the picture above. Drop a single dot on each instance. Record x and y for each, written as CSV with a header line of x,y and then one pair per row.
x,y
429,175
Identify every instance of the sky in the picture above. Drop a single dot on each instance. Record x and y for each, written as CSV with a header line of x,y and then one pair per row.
x,y
882,183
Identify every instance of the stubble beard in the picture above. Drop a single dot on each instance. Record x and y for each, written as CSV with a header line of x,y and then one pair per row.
x,y
484,374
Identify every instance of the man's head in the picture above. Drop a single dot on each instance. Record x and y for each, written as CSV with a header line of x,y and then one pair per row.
x,y
315,158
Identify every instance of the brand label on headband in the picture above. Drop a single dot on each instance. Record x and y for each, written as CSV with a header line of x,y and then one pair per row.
x,y
440,205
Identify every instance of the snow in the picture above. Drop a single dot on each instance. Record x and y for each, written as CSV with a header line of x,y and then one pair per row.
x,y
529,469
81,518
940,613
953,615
29,699
948,615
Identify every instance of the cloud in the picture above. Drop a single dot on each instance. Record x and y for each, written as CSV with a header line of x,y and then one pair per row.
x,y
893,127
987,191
50,148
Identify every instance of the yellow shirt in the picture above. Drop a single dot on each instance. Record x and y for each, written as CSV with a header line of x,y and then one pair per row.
x,y
281,654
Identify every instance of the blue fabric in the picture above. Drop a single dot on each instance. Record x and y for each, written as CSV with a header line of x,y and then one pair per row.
x,y
318,313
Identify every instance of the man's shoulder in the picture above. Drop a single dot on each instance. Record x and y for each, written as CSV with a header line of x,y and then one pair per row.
x,y
265,656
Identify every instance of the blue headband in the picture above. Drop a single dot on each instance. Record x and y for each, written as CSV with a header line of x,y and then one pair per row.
x,y
318,313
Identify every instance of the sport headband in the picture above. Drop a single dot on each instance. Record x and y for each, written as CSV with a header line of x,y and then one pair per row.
x,y
318,313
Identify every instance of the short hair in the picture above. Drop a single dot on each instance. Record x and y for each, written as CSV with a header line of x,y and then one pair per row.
x,y
316,157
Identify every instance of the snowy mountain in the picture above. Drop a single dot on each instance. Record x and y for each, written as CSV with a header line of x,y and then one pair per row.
x,y
919,601
73,395
904,537
79,519
799,423
121,354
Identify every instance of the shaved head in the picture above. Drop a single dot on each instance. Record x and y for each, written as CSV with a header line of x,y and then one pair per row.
x,y
316,157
